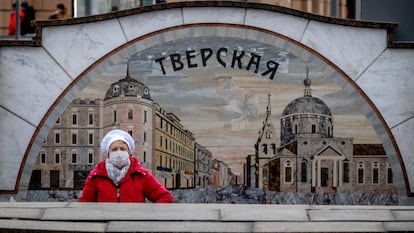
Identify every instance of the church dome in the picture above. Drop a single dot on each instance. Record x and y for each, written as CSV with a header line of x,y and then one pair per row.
x,y
307,104
306,115
128,87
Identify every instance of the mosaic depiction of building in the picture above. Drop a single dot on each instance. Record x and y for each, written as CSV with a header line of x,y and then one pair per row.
x,y
164,146
310,158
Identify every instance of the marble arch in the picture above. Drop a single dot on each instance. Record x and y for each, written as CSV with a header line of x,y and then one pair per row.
x,y
38,78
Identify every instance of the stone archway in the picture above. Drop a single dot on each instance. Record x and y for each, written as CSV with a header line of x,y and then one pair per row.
x,y
87,45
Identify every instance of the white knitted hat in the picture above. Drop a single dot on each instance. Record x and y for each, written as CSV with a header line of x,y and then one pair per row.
x,y
115,135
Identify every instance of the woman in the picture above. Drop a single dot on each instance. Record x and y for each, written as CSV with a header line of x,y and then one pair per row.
x,y
12,23
120,177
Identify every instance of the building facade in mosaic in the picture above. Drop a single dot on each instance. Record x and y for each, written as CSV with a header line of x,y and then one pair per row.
x,y
163,144
71,149
128,106
174,150
203,166
219,173
310,158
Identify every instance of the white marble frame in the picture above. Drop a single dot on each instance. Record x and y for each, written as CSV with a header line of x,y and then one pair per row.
x,y
59,72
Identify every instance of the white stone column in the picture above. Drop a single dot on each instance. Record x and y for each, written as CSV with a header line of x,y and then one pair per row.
x,y
335,173
313,173
318,173
260,180
341,172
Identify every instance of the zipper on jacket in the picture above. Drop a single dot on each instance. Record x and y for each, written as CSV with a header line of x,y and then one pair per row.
x,y
118,194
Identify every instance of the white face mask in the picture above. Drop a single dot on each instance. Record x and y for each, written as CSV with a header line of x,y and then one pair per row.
x,y
119,158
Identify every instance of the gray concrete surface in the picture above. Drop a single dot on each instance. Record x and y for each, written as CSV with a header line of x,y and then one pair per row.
x,y
131,217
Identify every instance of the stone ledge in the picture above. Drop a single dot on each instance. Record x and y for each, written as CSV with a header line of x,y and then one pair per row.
x,y
37,39
131,217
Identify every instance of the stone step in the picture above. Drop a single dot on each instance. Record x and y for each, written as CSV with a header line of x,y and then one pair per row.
x,y
133,217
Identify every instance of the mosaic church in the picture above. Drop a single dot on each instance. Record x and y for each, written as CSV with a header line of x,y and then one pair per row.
x,y
310,159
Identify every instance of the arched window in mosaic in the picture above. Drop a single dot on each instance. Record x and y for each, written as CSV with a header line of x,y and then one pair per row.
x,y
361,172
375,172
288,171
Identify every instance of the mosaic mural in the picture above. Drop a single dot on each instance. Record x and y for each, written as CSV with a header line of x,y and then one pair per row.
x,y
225,105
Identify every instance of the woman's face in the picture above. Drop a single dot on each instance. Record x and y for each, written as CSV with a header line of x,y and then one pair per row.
x,y
118,145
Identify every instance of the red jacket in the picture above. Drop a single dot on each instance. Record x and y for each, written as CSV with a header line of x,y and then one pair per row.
x,y
12,24
137,184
